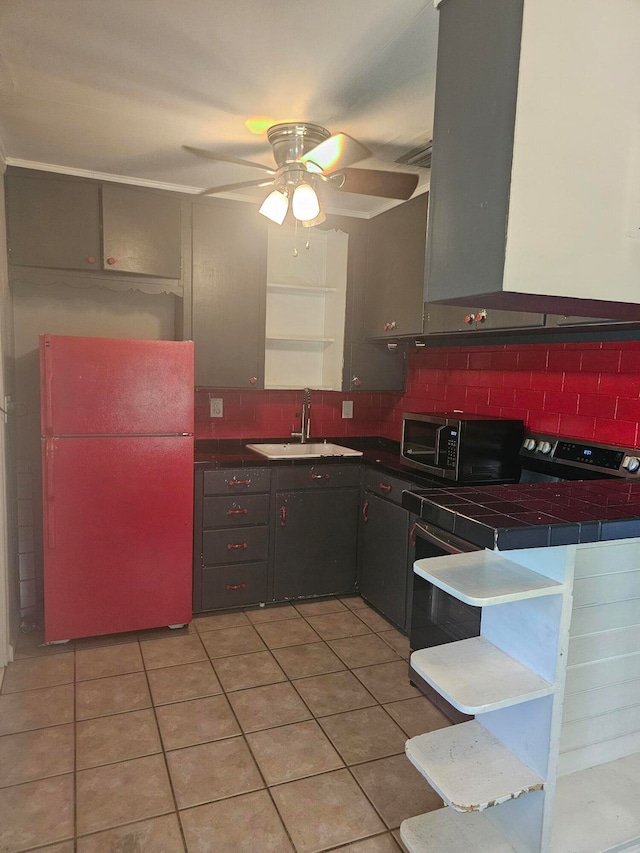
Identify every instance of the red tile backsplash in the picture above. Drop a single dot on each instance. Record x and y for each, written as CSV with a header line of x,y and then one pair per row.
x,y
589,391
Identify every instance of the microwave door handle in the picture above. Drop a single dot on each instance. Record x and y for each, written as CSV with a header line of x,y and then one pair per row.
x,y
436,449
450,544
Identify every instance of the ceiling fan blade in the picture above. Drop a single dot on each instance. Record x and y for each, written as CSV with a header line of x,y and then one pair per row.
x,y
211,155
237,186
380,183
335,153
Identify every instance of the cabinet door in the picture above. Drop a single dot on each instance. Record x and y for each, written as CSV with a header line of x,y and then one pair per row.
x,y
315,542
443,319
53,223
229,285
395,270
141,232
374,368
382,558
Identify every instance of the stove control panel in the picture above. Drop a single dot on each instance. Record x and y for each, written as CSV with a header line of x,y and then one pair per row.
x,y
558,451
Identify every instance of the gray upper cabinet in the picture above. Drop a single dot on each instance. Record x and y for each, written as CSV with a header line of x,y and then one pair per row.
x,y
530,208
368,366
395,271
228,299
63,223
449,319
141,232
53,222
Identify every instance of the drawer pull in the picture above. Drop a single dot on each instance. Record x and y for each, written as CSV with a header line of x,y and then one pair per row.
x,y
384,487
235,586
283,516
365,507
237,511
235,482
235,547
320,476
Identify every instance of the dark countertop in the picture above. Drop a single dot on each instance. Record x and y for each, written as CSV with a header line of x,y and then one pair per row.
x,y
532,515
383,453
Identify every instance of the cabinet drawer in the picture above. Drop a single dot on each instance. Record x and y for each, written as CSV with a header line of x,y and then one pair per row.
x,y
318,476
234,586
237,481
232,511
238,545
384,485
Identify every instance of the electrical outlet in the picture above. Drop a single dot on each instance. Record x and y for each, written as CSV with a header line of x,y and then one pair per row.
x,y
347,408
215,407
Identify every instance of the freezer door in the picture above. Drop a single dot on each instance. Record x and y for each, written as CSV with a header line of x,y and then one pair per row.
x,y
109,386
117,534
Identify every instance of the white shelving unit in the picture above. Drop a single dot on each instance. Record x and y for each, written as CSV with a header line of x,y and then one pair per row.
x,y
306,298
531,773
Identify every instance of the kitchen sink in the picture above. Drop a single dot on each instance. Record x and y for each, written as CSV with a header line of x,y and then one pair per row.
x,y
309,450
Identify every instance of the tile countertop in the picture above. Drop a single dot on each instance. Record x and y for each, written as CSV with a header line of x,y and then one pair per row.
x,y
532,515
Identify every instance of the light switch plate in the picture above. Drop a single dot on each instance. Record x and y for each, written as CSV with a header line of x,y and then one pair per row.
x,y
215,407
347,408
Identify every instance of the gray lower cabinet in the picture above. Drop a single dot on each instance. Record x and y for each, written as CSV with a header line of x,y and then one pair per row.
x,y
315,539
386,548
231,538
60,222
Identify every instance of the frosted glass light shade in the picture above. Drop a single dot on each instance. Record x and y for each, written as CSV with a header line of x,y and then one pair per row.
x,y
305,204
275,207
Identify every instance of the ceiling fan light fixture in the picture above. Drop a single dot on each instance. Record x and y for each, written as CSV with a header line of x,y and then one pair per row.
x,y
275,206
305,203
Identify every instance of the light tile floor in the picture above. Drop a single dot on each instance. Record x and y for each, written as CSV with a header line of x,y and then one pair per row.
x,y
270,729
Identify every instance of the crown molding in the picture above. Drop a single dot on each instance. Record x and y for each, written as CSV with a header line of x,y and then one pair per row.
x,y
387,204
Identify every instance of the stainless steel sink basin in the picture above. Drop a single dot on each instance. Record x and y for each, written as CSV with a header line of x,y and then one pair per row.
x,y
310,450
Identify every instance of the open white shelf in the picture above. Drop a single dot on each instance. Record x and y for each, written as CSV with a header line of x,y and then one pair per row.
x,y
306,305
485,578
308,289
475,676
470,768
448,831
306,338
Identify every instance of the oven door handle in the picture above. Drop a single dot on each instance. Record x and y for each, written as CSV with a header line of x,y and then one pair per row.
x,y
447,541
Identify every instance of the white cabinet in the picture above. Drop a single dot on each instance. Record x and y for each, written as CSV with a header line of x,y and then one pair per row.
x,y
305,317
552,760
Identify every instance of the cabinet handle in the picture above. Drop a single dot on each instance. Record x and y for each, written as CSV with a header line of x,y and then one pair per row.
x,y
283,516
237,511
389,327
91,259
111,261
320,476
253,380
412,534
235,586
355,381
384,487
365,507
235,482
239,545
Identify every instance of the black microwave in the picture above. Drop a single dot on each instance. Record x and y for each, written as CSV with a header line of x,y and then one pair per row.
x,y
463,448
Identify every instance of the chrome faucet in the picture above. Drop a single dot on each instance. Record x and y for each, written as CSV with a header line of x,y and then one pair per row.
x,y
305,417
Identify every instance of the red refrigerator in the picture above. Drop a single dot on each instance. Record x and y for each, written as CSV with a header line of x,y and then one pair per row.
x,y
117,474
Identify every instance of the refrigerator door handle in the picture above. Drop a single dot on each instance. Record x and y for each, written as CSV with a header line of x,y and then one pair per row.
x,y
49,449
48,397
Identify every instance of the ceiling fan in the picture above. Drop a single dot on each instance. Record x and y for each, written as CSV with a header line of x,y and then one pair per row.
x,y
307,158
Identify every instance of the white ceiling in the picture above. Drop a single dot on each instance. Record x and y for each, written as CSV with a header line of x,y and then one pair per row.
x,y
115,87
